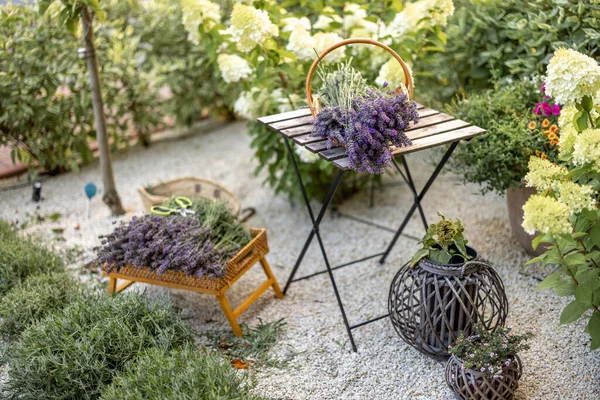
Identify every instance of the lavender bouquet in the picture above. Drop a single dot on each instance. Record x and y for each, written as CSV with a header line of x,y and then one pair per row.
x,y
172,243
363,119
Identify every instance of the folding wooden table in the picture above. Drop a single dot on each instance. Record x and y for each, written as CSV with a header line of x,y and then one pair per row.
x,y
433,129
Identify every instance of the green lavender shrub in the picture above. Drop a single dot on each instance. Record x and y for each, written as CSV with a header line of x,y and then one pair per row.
x,y
34,299
75,354
181,374
21,257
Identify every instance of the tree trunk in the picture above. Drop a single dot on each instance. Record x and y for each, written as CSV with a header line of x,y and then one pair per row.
x,y
111,197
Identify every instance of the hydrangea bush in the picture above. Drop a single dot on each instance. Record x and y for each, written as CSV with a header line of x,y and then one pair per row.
x,y
266,49
565,210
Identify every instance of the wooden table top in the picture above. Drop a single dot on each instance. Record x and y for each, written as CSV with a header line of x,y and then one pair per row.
x,y
433,129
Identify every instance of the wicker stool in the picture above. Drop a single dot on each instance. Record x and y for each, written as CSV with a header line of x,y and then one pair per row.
x,y
431,303
252,253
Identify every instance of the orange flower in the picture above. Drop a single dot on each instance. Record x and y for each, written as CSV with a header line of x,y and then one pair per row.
x,y
554,129
546,123
537,153
546,132
531,125
552,136
544,156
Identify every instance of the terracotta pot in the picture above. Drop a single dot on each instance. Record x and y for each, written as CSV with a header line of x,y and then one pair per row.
x,y
515,199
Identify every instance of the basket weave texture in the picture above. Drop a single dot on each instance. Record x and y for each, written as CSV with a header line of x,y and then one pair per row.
x,y
247,256
431,304
468,384
190,187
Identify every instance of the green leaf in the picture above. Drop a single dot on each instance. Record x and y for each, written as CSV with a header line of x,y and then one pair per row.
x,y
539,239
593,328
419,255
573,311
581,120
587,103
565,289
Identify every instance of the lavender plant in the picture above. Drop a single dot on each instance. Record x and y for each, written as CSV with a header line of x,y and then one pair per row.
x,y
365,120
489,352
173,243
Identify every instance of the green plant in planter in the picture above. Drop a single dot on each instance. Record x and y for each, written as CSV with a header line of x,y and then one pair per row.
x,y
442,242
489,351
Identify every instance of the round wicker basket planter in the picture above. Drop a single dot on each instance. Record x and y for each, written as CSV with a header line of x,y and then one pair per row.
x,y
188,186
430,304
468,384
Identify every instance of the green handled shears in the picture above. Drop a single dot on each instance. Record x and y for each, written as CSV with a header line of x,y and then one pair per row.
x,y
183,205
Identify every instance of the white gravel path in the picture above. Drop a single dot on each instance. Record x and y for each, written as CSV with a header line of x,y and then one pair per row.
x,y
558,366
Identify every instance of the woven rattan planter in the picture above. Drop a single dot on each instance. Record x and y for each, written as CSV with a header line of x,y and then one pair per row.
x,y
431,303
252,253
190,187
468,384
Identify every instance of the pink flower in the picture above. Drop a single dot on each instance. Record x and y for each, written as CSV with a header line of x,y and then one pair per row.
x,y
507,363
556,109
543,87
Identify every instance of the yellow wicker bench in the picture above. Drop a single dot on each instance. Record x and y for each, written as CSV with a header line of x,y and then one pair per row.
x,y
252,253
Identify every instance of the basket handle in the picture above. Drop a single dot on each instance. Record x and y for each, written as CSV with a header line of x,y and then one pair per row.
x,y
408,81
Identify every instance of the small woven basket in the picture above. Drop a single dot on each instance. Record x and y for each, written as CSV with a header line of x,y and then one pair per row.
x,y
189,187
408,80
247,256
468,384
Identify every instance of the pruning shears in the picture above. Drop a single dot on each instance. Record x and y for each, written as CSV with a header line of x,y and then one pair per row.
x,y
183,205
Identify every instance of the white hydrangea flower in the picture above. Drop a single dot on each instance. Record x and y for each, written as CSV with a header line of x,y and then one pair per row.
x,y
233,68
324,21
546,215
354,16
197,12
302,44
392,73
576,197
586,149
571,76
249,107
290,23
325,40
543,174
418,15
568,133
250,27
283,101
306,156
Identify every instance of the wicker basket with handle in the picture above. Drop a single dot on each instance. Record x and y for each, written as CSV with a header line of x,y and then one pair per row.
x,y
408,81
252,253
187,186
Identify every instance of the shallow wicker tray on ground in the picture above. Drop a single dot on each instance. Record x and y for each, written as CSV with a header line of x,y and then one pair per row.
x,y
252,253
187,186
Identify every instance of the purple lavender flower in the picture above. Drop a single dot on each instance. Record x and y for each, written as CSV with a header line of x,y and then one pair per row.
x,y
368,129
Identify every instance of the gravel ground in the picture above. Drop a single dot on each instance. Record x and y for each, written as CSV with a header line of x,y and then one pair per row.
x,y
558,366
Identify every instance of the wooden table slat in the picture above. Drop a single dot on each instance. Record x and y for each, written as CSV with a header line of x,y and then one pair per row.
x,y
333,154
306,139
441,139
290,123
430,120
436,129
426,112
318,146
297,131
284,116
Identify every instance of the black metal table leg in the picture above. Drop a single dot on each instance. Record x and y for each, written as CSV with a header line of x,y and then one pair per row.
x,y
411,185
430,181
315,232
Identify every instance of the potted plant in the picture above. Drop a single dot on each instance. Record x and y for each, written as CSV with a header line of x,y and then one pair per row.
x,y
485,364
520,121
444,290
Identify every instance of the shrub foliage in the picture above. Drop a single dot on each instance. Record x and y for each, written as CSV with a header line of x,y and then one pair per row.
x,y
34,299
75,354
181,374
21,257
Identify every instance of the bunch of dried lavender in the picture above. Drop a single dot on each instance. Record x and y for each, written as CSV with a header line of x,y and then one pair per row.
x,y
364,120
172,243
